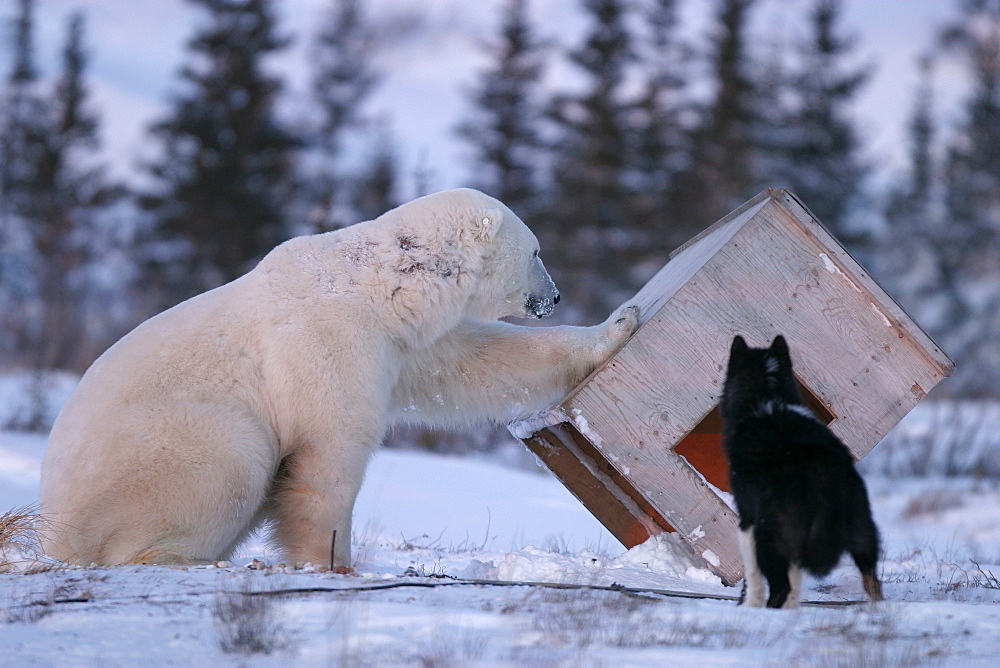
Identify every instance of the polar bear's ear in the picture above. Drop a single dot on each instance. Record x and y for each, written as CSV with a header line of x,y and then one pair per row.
x,y
487,224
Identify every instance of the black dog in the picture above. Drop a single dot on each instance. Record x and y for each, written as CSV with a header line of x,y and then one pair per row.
x,y
800,500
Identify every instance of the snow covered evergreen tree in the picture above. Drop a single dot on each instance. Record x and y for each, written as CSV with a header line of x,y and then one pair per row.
x,y
226,174
972,167
941,250
920,187
53,192
69,194
24,120
912,258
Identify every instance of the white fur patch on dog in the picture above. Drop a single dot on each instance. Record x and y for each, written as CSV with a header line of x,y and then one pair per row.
x,y
754,578
772,406
772,365
801,410
795,579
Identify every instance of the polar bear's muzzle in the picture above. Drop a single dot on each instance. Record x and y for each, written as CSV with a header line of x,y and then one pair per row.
x,y
542,294
541,306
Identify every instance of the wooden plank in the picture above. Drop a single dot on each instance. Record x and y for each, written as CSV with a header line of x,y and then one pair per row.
x,y
870,370
691,257
627,513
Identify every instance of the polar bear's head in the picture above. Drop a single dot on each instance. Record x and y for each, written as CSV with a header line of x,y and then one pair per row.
x,y
512,280
466,246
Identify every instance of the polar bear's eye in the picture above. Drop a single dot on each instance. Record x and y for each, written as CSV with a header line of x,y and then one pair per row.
x,y
534,255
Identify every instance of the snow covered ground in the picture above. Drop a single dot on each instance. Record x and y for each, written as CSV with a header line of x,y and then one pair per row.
x,y
425,520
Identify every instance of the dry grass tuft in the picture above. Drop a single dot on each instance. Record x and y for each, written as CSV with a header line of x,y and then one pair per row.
x,y
18,538
932,502
249,624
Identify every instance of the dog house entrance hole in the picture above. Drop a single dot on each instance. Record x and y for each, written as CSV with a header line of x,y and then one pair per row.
x,y
702,448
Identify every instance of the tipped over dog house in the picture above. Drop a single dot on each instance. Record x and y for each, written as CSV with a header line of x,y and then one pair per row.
x,y
639,441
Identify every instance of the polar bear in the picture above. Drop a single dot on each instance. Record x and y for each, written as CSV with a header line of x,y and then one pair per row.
x,y
264,398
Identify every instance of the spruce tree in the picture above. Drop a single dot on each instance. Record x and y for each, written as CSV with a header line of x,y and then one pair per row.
x,y
590,231
970,239
911,201
973,161
913,259
72,130
661,143
504,130
51,193
343,78
23,124
69,193
22,144
725,163
819,151
225,176
375,188
922,137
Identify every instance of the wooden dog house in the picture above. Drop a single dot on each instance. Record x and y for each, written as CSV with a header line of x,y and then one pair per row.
x,y
638,442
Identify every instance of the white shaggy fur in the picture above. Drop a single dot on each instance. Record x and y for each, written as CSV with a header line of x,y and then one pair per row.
x,y
264,398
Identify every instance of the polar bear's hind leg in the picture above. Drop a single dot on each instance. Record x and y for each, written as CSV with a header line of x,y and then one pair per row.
x,y
190,493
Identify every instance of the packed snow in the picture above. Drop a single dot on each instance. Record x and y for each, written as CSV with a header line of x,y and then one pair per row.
x,y
441,541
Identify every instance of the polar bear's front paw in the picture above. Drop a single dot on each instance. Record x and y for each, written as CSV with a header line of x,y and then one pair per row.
x,y
627,317
622,324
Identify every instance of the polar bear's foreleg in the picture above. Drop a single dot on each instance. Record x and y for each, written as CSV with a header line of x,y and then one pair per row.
x,y
499,372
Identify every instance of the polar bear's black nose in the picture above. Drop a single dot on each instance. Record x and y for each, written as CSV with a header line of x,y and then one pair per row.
x,y
555,300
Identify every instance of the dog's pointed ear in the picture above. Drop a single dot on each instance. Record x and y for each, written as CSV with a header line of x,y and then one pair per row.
x,y
779,348
739,346
487,224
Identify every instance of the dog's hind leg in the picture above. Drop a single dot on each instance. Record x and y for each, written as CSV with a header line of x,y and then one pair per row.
x,y
753,579
795,579
776,569
864,550
866,560
872,585
779,587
